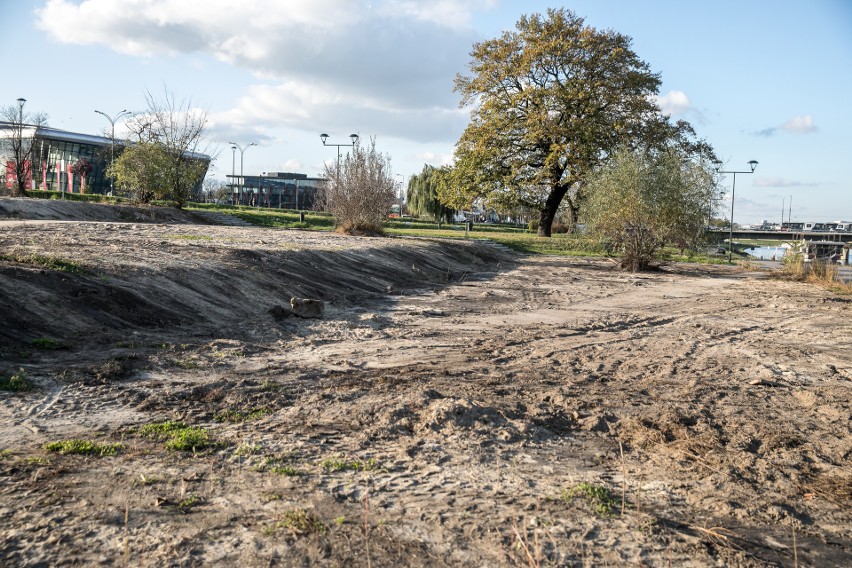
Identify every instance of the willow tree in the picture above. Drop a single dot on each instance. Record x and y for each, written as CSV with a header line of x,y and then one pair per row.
x,y
422,195
550,102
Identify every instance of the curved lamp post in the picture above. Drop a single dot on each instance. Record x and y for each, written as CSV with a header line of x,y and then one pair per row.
x,y
242,150
752,164
112,120
353,137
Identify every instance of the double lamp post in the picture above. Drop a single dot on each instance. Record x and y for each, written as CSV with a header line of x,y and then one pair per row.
x,y
752,164
242,149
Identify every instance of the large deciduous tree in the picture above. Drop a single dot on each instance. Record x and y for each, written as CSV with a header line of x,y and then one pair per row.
x,y
550,102
642,200
422,195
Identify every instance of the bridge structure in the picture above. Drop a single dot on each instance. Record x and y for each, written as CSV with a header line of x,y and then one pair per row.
x,y
753,234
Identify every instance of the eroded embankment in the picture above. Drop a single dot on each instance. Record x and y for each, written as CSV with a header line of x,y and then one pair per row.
x,y
74,282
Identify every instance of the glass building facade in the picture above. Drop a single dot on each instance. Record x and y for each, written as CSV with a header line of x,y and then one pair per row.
x,y
62,161
282,190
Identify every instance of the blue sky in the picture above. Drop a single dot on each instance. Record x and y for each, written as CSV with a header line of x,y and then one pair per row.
x,y
760,80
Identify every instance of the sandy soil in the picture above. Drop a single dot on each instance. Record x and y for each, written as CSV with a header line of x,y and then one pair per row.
x,y
458,404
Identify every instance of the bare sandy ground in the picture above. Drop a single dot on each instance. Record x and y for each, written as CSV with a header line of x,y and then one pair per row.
x,y
457,405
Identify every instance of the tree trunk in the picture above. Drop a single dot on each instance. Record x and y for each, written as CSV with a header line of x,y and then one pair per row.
x,y
548,212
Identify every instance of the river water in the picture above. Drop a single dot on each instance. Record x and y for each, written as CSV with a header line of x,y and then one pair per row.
x,y
774,253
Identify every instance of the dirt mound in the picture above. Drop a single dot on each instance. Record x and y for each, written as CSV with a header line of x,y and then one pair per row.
x,y
60,210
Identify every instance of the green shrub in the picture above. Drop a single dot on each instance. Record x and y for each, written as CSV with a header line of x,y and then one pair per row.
x,y
16,383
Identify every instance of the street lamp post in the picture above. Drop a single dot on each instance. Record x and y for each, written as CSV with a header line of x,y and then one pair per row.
x,y
353,137
19,168
112,140
233,172
242,150
752,164
401,193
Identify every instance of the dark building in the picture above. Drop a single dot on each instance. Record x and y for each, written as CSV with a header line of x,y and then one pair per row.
x,y
282,190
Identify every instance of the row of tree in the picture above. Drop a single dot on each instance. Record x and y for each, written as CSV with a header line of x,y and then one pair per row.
x,y
564,120
163,157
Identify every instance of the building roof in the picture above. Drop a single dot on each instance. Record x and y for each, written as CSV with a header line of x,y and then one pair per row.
x,y
76,137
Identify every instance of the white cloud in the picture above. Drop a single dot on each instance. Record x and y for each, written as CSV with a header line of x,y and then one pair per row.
x,y
436,159
451,13
674,103
799,125
796,125
386,66
779,182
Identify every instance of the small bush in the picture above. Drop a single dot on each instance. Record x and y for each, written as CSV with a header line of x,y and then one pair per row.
x,y
597,496
299,522
16,383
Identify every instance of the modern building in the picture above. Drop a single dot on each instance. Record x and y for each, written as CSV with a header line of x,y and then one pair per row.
x,y
61,160
282,190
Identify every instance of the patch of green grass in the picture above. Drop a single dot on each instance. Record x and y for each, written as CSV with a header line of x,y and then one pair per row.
x,y
187,364
46,343
84,447
298,522
178,436
247,450
51,263
234,415
597,496
268,217
189,502
280,465
286,470
36,461
334,465
162,430
5,454
18,382
190,440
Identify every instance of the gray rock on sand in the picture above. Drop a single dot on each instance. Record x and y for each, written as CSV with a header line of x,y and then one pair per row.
x,y
299,307
306,308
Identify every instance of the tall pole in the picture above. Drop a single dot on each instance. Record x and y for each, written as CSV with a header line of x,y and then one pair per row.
x,y
731,226
233,171
242,151
752,164
112,141
401,192
19,166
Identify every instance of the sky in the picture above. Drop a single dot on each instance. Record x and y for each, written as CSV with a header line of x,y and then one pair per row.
x,y
769,81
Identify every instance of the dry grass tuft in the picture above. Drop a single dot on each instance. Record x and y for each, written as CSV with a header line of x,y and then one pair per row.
x,y
822,274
